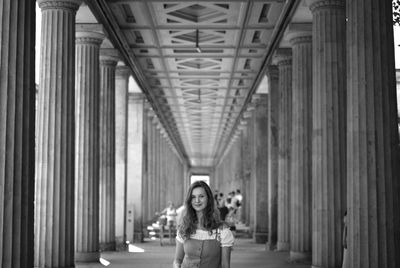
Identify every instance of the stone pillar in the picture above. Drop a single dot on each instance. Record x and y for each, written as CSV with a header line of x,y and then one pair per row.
x,y
87,99
328,138
300,178
151,166
145,166
134,197
372,137
284,62
273,150
157,165
121,121
55,154
17,132
261,169
108,62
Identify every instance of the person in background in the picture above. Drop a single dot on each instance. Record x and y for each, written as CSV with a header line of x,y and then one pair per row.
x,y
237,199
170,212
202,240
231,216
223,210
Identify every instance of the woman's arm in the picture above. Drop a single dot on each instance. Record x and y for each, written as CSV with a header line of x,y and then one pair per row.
x,y
225,257
179,254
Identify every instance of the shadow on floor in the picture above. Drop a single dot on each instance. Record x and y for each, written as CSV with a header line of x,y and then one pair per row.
x,y
246,254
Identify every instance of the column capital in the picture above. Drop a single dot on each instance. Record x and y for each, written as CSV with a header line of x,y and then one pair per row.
x,y
89,33
72,5
109,56
282,56
316,4
272,72
94,38
122,71
299,33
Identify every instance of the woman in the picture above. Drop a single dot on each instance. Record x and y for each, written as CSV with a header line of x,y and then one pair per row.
x,y
202,240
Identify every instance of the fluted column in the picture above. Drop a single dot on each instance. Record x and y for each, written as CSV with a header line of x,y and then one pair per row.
x,y
108,63
284,62
151,166
121,128
300,179
328,139
134,181
87,101
260,164
372,137
273,150
55,155
157,165
17,132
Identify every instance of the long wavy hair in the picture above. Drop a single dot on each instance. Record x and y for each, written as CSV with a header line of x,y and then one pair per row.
x,y
211,217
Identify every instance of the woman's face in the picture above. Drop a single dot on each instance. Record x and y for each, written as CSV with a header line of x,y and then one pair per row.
x,y
199,199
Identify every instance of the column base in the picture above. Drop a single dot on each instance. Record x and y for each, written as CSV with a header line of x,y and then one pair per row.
x,y
300,257
260,238
138,237
110,246
87,256
282,246
270,246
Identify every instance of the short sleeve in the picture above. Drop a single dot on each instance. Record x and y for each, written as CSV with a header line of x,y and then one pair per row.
x,y
179,237
227,239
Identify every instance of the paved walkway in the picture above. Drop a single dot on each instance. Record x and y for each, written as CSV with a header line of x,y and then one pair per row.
x,y
246,254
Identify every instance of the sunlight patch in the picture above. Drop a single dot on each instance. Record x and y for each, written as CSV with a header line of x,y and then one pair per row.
x,y
104,262
132,248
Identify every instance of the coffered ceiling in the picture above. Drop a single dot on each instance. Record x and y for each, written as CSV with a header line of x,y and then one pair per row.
x,y
198,62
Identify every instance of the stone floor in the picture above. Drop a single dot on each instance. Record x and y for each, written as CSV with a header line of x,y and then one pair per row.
x,y
246,254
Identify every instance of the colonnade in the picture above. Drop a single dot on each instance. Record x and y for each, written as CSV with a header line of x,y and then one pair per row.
x,y
329,142
332,140
82,191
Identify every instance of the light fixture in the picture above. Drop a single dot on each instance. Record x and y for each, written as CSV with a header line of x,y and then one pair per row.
x,y
198,49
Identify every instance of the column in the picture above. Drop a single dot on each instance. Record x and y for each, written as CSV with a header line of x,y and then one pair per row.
x,y
55,154
328,138
372,137
151,166
273,150
87,101
284,61
134,196
145,165
157,166
108,62
17,132
261,169
300,179
121,121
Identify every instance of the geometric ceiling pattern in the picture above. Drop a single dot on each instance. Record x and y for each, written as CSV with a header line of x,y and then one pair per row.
x,y
200,60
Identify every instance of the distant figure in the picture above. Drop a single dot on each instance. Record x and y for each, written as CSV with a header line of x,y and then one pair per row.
x,y
223,210
202,240
344,242
170,212
231,216
238,199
